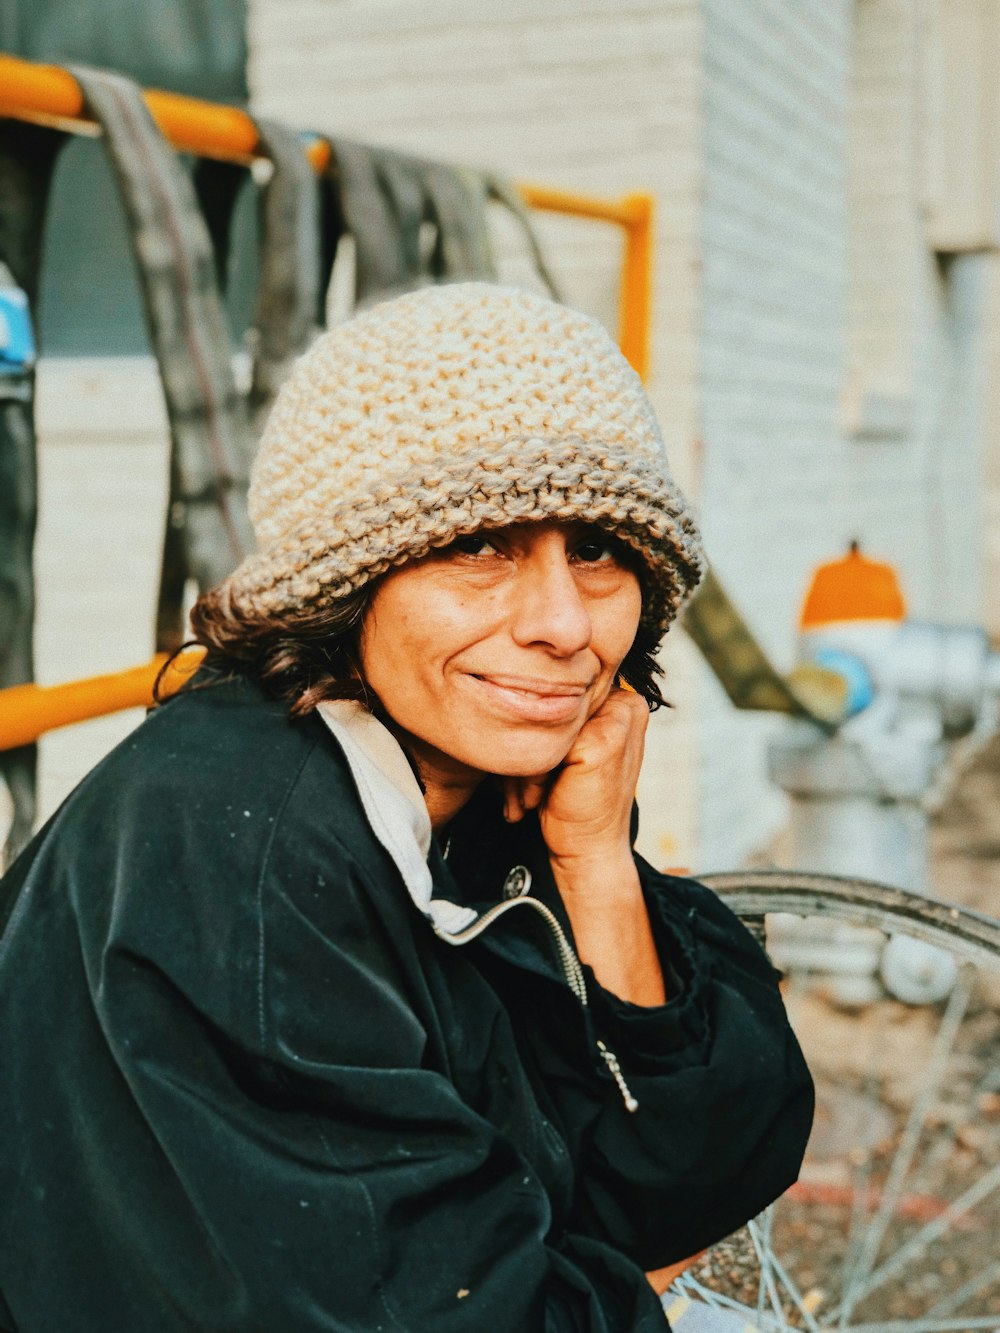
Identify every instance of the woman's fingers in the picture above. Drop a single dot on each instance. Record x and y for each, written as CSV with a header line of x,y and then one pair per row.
x,y
513,810
615,731
533,792
522,795
587,811
596,782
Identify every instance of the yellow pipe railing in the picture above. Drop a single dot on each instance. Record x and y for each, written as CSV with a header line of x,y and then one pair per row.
x,y
28,711
48,94
634,214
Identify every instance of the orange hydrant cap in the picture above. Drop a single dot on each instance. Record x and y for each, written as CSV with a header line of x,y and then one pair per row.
x,y
852,588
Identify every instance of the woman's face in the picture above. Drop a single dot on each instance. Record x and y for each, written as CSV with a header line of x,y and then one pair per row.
x,y
491,654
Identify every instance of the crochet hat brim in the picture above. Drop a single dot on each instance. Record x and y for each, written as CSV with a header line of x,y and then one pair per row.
x,y
412,511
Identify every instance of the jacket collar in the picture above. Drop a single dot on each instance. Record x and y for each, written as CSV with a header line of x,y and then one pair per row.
x,y
394,805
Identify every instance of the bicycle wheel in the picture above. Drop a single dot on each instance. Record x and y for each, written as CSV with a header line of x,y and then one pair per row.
x,y
893,1225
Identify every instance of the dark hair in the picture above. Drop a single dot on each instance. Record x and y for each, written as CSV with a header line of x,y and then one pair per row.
x,y
314,653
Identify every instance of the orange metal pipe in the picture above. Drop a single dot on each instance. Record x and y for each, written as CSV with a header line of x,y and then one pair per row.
x,y
621,211
46,92
635,307
635,214
50,94
28,711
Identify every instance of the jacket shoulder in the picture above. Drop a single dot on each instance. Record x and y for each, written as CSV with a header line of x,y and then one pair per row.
x,y
207,770
172,831
161,862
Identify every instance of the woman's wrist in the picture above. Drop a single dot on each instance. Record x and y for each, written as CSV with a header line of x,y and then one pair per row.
x,y
602,875
603,898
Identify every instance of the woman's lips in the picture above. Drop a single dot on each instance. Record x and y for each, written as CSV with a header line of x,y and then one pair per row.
x,y
532,700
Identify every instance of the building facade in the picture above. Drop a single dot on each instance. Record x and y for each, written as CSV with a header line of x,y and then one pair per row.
x,y
826,283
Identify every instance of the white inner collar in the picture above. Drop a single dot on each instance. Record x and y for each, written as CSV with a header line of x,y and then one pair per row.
x,y
394,805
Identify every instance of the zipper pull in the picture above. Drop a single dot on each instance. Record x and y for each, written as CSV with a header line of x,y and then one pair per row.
x,y
517,883
611,1060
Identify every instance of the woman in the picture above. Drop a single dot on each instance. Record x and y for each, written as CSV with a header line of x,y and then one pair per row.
x,y
335,998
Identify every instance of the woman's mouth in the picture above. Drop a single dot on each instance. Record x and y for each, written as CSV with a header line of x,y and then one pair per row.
x,y
530,700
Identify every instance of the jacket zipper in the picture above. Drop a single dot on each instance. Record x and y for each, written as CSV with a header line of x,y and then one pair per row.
x,y
572,971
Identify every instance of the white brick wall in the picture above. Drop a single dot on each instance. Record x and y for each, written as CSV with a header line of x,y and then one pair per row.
x,y
772,238
911,475
818,375
882,177
842,388
585,96
991,441
102,504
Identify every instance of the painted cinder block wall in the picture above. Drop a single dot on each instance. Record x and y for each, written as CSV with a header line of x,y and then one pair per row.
x,y
586,96
772,242
818,373
842,362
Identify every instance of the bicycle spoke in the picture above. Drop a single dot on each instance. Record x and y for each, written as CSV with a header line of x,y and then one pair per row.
x,y
861,1182
881,1229
954,1300
686,1285
855,1285
774,1262
922,1325
764,1256
763,1290
928,1234
856,1225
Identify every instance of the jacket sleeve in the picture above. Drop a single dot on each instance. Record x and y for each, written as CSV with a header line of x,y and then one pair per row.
x,y
725,1100
322,1175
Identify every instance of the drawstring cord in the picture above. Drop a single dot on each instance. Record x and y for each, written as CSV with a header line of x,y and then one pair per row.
x,y
571,966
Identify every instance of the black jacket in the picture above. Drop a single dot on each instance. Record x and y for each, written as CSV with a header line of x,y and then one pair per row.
x,y
246,1086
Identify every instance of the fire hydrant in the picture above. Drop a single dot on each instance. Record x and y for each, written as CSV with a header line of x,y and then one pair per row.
x,y
861,796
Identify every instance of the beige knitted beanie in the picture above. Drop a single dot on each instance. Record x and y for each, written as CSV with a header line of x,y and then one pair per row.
x,y
443,411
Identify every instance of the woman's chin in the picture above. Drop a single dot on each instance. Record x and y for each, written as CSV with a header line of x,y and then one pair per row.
x,y
523,756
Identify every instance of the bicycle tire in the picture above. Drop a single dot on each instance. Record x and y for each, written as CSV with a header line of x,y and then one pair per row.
x,y
974,940
860,902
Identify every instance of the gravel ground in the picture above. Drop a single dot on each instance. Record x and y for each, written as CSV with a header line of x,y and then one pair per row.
x,y
869,1063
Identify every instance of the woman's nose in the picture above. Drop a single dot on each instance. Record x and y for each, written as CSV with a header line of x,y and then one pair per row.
x,y
547,606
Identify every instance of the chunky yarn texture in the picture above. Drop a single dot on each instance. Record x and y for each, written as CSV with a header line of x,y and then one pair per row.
x,y
444,411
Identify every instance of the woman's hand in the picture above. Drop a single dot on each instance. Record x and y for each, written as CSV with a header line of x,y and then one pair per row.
x,y
585,812
586,805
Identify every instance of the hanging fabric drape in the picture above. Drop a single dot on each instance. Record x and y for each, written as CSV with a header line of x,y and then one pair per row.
x,y
291,269
217,186
290,282
382,201
456,208
27,160
207,531
416,222
504,192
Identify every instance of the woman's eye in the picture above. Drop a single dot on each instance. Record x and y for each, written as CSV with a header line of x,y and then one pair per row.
x,y
597,550
472,545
